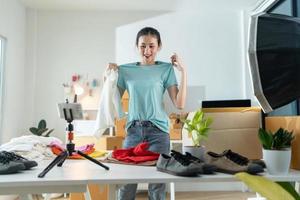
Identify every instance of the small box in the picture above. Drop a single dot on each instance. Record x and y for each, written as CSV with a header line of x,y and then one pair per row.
x,y
176,120
110,142
125,95
125,101
176,124
175,134
120,126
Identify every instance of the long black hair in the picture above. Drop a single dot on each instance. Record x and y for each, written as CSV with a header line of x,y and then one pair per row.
x,y
148,31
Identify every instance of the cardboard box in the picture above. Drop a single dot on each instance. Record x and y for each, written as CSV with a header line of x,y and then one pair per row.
x,y
290,123
242,141
175,124
125,95
175,134
104,143
111,142
120,126
234,118
176,120
125,101
232,128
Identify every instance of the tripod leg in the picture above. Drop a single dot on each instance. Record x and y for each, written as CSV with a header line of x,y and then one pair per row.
x,y
61,162
52,164
93,160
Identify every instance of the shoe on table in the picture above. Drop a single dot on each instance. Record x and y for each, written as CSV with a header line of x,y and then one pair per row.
x,y
228,166
203,168
9,167
19,159
176,166
241,160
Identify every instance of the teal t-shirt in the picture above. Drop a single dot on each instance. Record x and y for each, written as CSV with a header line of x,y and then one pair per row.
x,y
146,85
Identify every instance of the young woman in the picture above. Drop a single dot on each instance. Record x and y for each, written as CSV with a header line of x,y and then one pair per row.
x,y
146,81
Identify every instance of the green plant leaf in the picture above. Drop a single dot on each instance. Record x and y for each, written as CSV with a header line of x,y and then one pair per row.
x,y
33,130
265,138
41,131
195,118
208,122
289,188
264,187
42,124
198,127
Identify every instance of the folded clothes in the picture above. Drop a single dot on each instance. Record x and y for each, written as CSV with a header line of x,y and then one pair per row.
x,y
135,154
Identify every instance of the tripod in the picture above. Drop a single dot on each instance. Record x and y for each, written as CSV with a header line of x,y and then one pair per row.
x,y
60,159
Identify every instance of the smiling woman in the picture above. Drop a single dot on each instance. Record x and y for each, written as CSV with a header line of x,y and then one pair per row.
x,y
2,53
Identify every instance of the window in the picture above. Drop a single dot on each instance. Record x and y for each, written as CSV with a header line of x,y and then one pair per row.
x,y
283,7
2,54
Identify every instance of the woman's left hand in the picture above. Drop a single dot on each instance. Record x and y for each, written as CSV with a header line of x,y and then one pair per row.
x,y
176,61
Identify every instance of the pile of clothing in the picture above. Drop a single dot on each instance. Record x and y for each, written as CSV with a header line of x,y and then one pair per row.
x,y
138,155
32,147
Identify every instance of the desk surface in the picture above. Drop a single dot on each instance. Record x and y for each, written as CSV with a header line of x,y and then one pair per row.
x,y
83,172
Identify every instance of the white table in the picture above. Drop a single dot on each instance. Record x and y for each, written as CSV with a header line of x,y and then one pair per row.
x,y
75,175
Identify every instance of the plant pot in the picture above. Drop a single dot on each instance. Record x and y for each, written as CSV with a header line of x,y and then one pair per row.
x,y
277,161
198,152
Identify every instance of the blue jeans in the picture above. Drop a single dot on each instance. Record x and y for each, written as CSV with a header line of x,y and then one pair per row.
x,y
159,142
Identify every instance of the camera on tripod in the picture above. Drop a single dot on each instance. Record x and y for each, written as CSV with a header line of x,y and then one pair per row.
x,y
69,112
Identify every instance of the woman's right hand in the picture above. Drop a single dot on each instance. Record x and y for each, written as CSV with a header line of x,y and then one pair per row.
x,y
113,66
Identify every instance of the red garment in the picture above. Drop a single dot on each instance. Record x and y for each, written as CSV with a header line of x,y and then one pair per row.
x,y
136,154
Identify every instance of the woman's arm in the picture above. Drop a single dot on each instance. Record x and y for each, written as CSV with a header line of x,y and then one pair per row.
x,y
178,95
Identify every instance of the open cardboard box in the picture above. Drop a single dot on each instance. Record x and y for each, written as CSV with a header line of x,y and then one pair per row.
x,y
232,128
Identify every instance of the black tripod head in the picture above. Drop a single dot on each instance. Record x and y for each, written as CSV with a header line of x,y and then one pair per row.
x,y
69,118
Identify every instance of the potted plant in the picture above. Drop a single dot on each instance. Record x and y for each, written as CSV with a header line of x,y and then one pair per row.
x,y
41,130
198,129
276,150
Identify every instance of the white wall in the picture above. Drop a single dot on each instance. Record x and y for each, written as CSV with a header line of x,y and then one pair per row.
x,y
63,43
58,44
209,41
13,26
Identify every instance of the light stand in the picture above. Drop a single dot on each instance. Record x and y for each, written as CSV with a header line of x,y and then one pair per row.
x,y
59,160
